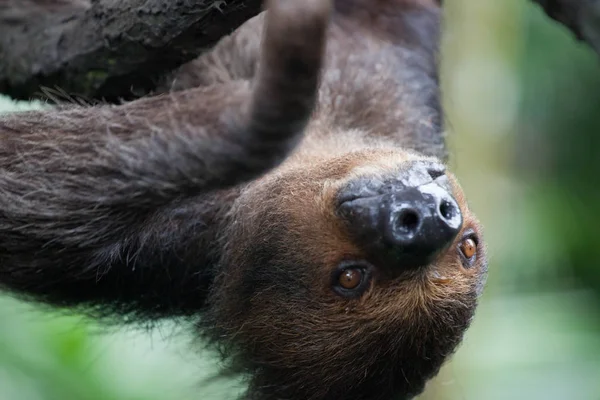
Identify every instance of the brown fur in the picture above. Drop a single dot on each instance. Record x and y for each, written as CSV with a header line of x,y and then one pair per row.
x,y
180,204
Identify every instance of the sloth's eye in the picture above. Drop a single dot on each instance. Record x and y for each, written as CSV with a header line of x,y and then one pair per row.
x,y
351,279
468,248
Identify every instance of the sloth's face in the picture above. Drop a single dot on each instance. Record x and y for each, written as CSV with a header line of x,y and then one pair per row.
x,y
360,273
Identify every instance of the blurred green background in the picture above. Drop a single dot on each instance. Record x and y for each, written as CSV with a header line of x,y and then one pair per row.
x,y
522,102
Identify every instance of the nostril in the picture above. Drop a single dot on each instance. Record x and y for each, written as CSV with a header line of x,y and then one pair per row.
x,y
436,172
407,221
447,210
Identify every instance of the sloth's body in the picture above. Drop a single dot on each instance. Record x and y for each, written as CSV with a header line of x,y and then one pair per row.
x,y
348,270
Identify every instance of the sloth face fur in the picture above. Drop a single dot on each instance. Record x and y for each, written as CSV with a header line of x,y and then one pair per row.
x,y
351,288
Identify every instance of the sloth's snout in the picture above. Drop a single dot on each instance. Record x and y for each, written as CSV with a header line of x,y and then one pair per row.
x,y
406,219
419,223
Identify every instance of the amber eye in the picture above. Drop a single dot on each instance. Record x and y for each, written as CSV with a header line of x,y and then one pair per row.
x,y
350,278
468,247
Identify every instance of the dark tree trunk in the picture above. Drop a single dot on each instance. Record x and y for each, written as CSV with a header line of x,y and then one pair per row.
x,y
107,49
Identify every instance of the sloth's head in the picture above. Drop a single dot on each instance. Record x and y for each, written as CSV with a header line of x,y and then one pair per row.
x,y
358,274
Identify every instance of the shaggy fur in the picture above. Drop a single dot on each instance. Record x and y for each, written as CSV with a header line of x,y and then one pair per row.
x,y
185,204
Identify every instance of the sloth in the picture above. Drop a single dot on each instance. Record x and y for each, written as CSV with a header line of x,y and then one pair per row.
x,y
287,191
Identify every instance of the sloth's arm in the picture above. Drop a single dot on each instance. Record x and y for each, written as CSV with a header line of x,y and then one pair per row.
x,y
115,207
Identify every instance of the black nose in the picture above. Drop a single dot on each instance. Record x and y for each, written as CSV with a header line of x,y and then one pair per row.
x,y
407,219
419,223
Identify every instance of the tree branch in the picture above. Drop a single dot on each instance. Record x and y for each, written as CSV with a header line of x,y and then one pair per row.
x,y
582,17
107,49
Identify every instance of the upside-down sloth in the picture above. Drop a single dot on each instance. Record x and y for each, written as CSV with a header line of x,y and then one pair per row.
x,y
287,191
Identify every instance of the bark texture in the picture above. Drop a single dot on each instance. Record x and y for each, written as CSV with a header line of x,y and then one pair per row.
x,y
107,49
